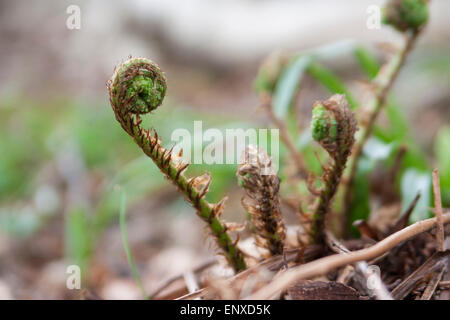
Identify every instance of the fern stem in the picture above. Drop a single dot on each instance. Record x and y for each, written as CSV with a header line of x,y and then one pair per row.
x,y
138,86
383,84
334,127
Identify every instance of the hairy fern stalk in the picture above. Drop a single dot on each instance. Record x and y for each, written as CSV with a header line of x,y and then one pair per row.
x,y
333,126
138,86
262,185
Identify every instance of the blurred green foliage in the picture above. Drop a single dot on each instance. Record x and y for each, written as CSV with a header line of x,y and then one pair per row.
x,y
442,151
34,134
415,170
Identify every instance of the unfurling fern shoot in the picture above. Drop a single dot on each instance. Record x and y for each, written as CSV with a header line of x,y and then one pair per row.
x,y
406,14
137,87
261,183
333,126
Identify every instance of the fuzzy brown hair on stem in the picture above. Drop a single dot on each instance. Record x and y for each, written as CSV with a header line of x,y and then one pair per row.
x,y
261,183
333,126
138,86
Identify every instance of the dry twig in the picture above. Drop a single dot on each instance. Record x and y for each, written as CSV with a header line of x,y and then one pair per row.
x,y
157,294
272,264
438,210
326,264
378,287
433,265
433,284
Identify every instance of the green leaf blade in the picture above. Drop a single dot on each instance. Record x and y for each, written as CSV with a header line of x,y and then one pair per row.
x,y
126,245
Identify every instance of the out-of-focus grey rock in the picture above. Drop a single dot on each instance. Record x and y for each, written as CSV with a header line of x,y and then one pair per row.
x,y
35,44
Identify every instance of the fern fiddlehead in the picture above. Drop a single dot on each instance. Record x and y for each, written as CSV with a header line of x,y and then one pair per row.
x,y
262,200
406,14
137,87
333,126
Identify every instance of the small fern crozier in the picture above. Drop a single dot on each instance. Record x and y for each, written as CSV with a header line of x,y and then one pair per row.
x,y
333,126
137,87
256,175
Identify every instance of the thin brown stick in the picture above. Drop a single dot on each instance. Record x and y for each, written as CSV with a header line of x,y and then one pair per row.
x,y
273,264
432,265
383,84
402,221
438,210
326,264
444,284
433,284
361,267
170,281
194,295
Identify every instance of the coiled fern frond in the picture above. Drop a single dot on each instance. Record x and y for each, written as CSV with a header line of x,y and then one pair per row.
x,y
262,200
406,14
137,87
333,126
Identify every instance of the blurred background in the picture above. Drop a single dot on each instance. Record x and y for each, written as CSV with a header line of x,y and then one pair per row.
x,y
65,161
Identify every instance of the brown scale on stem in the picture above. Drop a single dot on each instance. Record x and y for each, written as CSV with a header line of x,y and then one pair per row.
x,y
333,126
137,87
261,183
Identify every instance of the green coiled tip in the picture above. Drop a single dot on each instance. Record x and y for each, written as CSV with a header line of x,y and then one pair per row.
x,y
138,86
323,124
406,14
333,125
